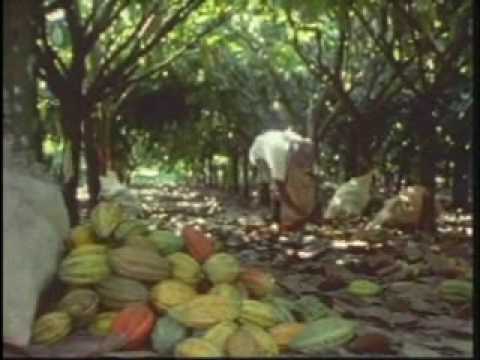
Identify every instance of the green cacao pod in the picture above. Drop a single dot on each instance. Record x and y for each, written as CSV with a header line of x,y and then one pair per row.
x,y
130,228
102,324
456,291
166,334
141,241
185,268
169,293
311,308
323,334
258,313
205,311
51,328
105,217
364,288
219,334
195,347
80,304
139,264
221,268
167,242
84,269
284,308
117,292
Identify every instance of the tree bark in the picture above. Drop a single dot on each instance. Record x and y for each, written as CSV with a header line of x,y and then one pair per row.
x,y
93,168
246,180
71,123
19,96
234,169
461,158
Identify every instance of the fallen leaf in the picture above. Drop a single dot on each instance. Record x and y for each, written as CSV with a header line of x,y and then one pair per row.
x,y
371,343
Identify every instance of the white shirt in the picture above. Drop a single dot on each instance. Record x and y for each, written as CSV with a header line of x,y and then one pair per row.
x,y
272,147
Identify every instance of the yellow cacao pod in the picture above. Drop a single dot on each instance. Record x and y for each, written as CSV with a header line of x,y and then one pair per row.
x,y
205,311
242,344
219,334
227,290
169,293
102,324
196,347
82,234
51,328
284,333
266,343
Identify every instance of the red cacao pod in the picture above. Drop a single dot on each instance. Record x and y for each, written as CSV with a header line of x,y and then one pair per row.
x,y
199,246
136,323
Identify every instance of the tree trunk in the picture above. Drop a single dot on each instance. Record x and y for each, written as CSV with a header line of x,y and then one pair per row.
x,y
235,177
71,123
428,159
20,119
93,168
351,161
461,158
246,180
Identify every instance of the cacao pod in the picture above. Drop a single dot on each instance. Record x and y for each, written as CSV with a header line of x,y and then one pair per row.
x,y
456,291
169,293
258,282
242,344
116,292
198,245
227,290
51,328
364,288
218,334
82,234
323,334
80,304
130,228
205,311
311,308
265,341
195,347
258,313
88,249
166,334
83,269
185,268
136,323
102,324
142,242
284,308
221,268
284,333
105,217
139,264
166,241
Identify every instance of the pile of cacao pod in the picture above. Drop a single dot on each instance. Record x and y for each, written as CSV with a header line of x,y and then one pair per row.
x,y
179,295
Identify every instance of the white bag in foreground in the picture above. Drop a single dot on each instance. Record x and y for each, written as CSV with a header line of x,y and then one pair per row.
x,y
35,226
351,198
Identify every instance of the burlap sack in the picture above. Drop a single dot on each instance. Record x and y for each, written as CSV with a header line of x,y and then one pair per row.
x,y
35,223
